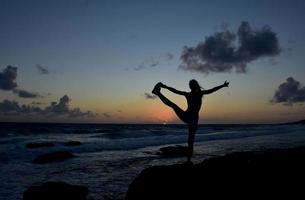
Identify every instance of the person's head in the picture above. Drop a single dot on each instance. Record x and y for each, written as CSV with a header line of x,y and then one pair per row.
x,y
194,85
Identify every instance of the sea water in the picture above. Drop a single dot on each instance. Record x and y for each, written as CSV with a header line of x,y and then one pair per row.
x,y
111,155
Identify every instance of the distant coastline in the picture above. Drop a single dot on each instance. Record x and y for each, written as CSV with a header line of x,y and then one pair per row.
x,y
297,122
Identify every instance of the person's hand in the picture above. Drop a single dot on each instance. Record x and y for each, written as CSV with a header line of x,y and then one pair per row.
x,y
226,84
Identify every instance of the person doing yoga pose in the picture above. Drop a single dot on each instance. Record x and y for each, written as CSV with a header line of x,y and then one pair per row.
x,y
191,115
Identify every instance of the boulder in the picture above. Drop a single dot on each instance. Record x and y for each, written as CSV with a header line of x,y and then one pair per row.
x,y
56,191
35,145
53,157
72,143
173,151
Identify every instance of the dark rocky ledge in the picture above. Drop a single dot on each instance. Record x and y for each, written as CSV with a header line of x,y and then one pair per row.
x,y
245,175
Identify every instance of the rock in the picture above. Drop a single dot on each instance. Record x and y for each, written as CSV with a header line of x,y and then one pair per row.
x,y
56,191
300,122
35,145
173,151
72,143
270,175
52,157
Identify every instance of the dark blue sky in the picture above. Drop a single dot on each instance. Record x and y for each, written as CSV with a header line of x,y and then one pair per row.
x,y
106,54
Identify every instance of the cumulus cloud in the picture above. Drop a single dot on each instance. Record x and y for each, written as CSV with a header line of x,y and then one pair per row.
x,y
226,50
8,77
8,82
289,92
42,70
25,94
60,108
149,96
12,107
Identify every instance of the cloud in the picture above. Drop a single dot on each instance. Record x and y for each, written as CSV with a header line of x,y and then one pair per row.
x,y
8,77
12,107
226,50
151,62
36,103
107,115
8,82
168,56
42,70
289,92
149,96
25,94
76,113
60,108
154,62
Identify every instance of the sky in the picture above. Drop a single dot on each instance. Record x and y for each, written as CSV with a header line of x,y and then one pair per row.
x,y
93,61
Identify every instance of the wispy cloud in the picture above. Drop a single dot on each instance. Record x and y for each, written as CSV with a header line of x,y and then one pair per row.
x,y
42,69
107,115
25,94
168,56
36,103
154,61
149,96
147,63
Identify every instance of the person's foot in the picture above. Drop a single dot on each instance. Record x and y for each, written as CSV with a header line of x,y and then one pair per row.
x,y
157,88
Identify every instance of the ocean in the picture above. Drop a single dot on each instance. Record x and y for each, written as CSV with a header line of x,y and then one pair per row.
x,y
111,155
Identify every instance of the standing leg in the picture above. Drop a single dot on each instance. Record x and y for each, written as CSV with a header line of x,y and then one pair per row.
x,y
191,138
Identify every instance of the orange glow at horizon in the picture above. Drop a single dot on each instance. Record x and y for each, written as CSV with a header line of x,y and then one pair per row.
x,y
164,115
214,110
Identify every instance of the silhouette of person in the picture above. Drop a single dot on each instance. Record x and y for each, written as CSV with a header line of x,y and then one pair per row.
x,y
191,115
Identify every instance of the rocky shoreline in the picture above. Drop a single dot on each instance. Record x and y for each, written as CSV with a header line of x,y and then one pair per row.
x,y
262,174
272,173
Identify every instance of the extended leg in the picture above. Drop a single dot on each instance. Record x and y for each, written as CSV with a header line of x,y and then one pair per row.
x,y
179,112
167,102
191,138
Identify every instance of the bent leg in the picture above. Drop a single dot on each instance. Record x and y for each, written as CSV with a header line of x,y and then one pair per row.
x,y
191,138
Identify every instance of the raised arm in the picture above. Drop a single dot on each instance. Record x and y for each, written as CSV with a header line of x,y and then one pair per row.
x,y
226,84
174,90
